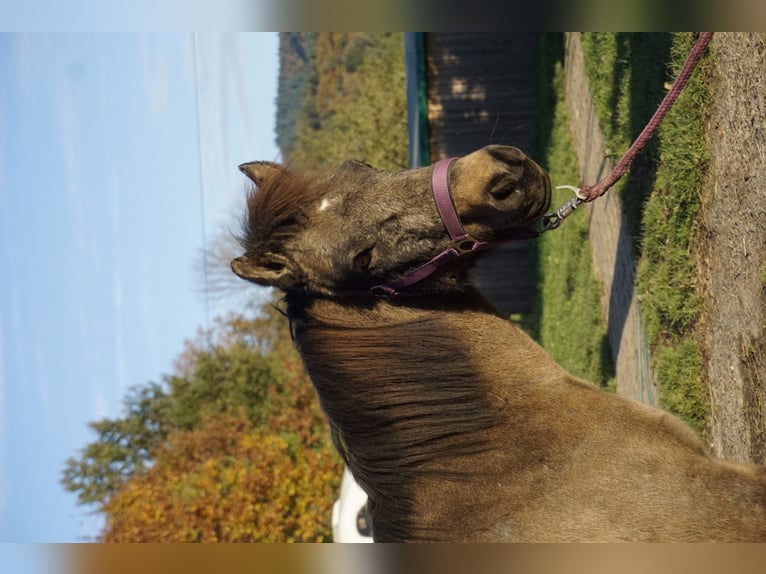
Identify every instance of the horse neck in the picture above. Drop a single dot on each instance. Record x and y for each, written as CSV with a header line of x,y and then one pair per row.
x,y
344,312
409,390
462,327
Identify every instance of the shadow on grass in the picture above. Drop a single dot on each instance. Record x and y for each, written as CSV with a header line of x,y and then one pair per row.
x,y
551,53
638,75
645,56
567,301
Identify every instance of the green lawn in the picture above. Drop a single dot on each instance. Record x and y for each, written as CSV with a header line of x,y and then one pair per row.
x,y
629,74
568,321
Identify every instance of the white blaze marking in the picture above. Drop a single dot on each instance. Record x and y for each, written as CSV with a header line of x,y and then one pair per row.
x,y
325,203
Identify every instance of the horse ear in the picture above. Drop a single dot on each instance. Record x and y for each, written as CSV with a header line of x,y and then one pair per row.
x,y
270,271
258,171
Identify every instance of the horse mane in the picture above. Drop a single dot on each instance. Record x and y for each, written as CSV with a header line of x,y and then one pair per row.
x,y
396,419
277,206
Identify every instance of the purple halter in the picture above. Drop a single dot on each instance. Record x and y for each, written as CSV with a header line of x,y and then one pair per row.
x,y
461,244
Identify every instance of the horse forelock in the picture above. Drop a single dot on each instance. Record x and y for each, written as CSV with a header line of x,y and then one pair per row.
x,y
277,207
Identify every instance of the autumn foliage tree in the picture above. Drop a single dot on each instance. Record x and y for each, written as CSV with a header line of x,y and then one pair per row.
x,y
226,482
231,447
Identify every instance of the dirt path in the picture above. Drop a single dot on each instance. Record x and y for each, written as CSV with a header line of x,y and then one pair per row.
x,y
733,249
609,236
730,250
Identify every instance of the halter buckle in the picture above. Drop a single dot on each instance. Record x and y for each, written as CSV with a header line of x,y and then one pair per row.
x,y
464,246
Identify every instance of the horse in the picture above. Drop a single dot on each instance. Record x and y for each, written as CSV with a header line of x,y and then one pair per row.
x,y
456,423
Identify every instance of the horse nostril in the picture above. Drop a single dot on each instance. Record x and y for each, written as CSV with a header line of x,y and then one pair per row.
x,y
503,193
502,188
503,185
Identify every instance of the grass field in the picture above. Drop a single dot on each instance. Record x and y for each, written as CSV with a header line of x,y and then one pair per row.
x,y
568,321
629,75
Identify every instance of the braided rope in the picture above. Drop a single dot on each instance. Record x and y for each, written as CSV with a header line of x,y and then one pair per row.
x,y
591,192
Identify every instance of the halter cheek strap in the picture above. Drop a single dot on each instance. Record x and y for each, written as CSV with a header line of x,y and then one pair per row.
x,y
461,242
440,189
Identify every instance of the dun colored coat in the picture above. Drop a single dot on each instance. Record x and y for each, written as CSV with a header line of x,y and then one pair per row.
x,y
459,426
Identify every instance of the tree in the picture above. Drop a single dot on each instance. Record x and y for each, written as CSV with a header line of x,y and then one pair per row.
x,y
244,372
353,101
296,60
226,482
123,447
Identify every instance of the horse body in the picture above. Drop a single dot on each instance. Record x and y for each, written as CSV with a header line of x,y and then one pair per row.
x,y
508,445
456,423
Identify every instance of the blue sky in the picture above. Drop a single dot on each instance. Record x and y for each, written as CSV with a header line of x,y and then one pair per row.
x,y
118,158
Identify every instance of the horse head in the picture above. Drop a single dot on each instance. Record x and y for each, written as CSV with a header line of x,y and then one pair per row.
x,y
358,226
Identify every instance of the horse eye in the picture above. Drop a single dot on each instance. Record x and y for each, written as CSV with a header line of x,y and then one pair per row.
x,y
363,259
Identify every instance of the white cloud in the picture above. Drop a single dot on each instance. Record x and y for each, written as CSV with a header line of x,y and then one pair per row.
x,y
148,313
115,188
233,50
41,375
236,89
117,292
39,362
3,441
31,51
100,406
119,342
3,191
236,92
70,135
156,84
17,332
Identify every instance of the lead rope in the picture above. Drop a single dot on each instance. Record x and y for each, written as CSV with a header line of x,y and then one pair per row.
x,y
591,192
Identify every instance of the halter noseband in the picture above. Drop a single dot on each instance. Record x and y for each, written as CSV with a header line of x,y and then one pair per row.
x,y
461,243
